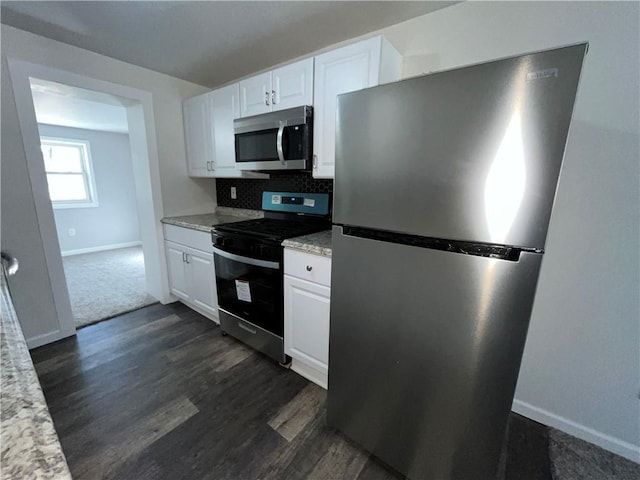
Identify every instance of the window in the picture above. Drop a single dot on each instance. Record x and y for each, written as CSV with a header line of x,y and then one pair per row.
x,y
69,173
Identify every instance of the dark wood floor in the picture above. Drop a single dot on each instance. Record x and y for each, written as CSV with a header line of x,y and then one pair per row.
x,y
159,394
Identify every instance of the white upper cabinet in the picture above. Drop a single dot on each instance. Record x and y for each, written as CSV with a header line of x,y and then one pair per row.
x,y
360,65
224,105
255,95
197,134
292,85
208,128
285,87
208,118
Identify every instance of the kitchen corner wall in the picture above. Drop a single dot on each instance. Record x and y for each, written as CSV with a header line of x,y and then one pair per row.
x,y
249,191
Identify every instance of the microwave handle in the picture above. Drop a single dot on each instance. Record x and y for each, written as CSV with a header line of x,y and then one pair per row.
x,y
279,141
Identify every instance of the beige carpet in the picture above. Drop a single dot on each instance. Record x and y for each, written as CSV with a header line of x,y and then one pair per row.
x,y
104,284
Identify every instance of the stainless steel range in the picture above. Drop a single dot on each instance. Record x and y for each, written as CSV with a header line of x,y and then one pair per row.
x,y
248,258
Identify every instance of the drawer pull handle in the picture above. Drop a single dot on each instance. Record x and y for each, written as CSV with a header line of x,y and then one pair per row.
x,y
309,268
247,329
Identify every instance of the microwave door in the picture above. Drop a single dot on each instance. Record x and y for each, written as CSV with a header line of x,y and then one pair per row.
x,y
282,148
274,141
257,146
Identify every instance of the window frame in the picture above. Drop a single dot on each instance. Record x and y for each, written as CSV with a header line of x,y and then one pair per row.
x,y
88,172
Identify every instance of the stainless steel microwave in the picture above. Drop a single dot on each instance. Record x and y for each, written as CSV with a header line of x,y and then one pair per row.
x,y
275,141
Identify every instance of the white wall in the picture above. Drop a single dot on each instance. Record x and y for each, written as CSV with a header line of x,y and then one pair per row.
x,y
31,288
115,220
581,366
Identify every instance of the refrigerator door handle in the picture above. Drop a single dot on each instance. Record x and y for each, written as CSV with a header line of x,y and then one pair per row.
x,y
500,252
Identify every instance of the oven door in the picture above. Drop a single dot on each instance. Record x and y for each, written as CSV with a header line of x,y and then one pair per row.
x,y
250,289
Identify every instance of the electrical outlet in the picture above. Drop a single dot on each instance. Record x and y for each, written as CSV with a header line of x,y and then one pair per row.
x,y
72,232
233,193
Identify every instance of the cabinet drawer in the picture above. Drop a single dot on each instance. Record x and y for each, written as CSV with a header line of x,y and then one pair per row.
x,y
314,268
191,238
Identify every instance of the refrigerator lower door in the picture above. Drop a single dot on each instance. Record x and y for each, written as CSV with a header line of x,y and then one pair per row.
x,y
425,349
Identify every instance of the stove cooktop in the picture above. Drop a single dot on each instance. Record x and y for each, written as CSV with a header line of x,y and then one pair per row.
x,y
275,229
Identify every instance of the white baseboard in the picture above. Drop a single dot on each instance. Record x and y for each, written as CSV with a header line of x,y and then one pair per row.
x,y
46,338
612,444
310,373
102,248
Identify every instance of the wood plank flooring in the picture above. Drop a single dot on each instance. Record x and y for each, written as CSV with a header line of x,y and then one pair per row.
x,y
159,393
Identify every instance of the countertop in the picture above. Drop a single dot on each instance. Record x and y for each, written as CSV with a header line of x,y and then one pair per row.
x,y
205,221
30,445
318,243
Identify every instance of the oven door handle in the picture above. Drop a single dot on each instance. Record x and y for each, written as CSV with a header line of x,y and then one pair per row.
x,y
247,260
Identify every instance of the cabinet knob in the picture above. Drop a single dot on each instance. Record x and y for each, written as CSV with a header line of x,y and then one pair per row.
x,y
309,268
266,98
273,97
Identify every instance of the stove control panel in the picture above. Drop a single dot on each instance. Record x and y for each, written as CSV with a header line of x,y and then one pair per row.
x,y
312,203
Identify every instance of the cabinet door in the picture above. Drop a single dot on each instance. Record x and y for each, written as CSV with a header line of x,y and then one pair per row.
x,y
177,270
198,135
293,85
255,95
202,284
224,107
306,320
346,69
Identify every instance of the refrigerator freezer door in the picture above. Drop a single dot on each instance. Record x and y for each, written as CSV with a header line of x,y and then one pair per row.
x,y
425,348
467,154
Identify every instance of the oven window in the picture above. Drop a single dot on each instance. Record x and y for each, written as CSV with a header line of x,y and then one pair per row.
x,y
252,293
257,146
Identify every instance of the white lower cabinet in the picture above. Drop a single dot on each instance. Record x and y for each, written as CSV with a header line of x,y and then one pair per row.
x,y
176,269
191,270
307,296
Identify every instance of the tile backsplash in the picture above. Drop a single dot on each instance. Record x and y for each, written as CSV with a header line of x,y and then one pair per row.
x,y
249,191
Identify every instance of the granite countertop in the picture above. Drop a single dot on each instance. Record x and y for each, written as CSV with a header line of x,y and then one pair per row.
x,y
318,243
30,445
205,221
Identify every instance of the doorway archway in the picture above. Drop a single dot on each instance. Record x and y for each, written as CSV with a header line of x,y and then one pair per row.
x,y
146,177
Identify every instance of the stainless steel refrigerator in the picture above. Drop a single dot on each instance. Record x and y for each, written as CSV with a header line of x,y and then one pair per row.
x,y
444,187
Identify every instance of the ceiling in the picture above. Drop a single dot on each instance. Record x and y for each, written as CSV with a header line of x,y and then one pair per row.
x,y
57,104
207,42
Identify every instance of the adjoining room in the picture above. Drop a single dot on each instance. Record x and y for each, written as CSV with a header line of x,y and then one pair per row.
x,y
87,156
